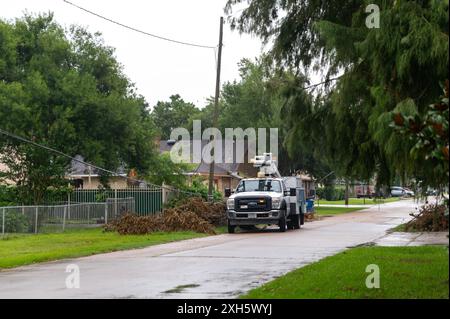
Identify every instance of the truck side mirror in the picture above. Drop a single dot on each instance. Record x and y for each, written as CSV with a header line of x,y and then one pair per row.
x,y
227,192
293,192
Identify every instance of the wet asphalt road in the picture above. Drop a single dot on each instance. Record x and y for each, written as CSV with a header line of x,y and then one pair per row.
x,y
222,266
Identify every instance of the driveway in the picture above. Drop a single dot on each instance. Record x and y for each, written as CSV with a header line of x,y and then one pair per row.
x,y
222,266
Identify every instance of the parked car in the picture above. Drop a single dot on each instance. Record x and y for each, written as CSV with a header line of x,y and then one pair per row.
x,y
409,192
397,191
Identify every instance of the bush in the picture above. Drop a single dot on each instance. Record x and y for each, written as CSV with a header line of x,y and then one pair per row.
x,y
8,195
56,194
198,187
330,193
432,217
15,222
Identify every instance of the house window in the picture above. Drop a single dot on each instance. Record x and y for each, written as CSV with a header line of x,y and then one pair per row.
x,y
78,183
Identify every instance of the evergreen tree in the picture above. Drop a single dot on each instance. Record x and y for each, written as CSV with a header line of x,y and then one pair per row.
x,y
396,68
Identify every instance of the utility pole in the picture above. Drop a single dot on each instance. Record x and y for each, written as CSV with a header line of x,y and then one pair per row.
x,y
216,111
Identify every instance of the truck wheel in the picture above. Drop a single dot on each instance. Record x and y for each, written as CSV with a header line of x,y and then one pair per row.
x,y
282,224
289,224
231,228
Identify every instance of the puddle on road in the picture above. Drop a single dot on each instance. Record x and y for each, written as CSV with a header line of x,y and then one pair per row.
x,y
180,289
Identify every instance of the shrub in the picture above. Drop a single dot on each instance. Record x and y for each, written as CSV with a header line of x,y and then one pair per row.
x,y
330,193
197,187
8,195
15,223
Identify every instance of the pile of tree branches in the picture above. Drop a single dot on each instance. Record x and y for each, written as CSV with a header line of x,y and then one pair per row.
x,y
431,217
194,214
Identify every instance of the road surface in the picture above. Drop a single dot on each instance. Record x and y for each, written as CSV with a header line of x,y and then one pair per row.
x,y
222,266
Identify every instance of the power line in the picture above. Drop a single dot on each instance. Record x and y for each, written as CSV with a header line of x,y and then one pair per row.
x,y
232,14
140,31
323,82
28,141
177,41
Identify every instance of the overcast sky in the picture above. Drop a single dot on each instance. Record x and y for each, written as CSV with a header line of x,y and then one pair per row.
x,y
158,68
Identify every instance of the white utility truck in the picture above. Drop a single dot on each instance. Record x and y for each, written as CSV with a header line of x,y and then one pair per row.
x,y
268,199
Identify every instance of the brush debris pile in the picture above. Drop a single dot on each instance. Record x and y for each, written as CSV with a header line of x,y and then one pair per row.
x,y
194,214
214,213
432,217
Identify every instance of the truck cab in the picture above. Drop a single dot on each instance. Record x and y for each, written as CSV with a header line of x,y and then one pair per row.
x,y
265,200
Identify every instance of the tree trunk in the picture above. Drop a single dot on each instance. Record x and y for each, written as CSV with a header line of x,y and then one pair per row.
x,y
346,192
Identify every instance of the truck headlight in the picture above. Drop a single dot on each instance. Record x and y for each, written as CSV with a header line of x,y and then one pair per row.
x,y
276,203
230,203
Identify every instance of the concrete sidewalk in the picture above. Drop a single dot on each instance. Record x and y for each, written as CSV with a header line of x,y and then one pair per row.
x,y
222,266
356,206
413,239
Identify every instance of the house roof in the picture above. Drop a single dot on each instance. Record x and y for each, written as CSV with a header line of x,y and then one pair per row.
x,y
80,169
228,166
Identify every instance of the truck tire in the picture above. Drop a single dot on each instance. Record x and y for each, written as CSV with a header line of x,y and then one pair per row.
x,y
231,228
282,223
289,224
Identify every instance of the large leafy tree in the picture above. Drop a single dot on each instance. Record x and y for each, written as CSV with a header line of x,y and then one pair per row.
x,y
65,89
172,114
395,68
165,171
256,100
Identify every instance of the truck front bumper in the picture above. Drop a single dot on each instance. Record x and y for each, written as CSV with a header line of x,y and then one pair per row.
x,y
253,218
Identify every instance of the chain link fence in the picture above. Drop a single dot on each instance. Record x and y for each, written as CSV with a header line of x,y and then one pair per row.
x,y
57,218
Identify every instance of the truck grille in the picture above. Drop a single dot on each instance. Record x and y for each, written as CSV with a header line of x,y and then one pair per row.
x,y
253,204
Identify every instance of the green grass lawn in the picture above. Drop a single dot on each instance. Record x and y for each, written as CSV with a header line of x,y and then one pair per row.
x,y
405,272
322,211
23,249
359,201
399,228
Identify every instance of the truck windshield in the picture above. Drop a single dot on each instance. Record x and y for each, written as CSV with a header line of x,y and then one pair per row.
x,y
265,185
